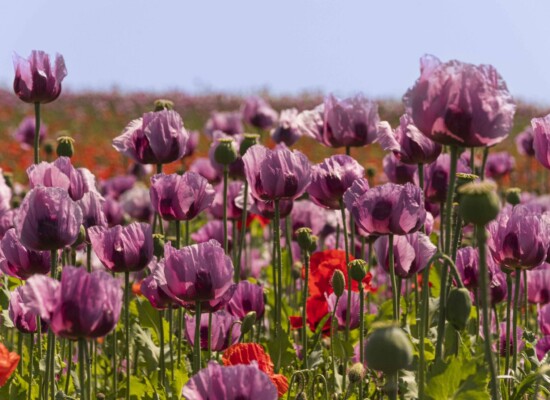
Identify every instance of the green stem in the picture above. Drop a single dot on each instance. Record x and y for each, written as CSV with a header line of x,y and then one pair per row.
x,y
525,299
361,331
69,367
225,181
82,367
277,242
161,343
127,329
243,233
115,362
346,248
170,343
508,320
89,256
36,133
31,362
333,332
484,162
393,278
304,310
209,352
197,344
515,320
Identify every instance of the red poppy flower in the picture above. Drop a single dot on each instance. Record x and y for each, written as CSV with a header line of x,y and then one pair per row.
x,y
245,353
8,363
296,322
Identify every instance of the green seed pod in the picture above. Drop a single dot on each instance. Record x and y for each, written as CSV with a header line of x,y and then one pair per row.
x,y
81,238
163,104
248,322
158,245
226,152
250,139
388,349
513,196
338,283
356,373
358,270
296,270
49,147
479,204
459,306
461,180
65,146
303,237
313,239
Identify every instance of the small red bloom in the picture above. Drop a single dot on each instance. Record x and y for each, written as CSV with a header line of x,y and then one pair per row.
x,y
296,322
8,363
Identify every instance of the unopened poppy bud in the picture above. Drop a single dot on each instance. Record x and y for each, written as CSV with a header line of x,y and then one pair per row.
x,y
388,349
462,179
313,239
163,104
158,245
459,306
479,204
225,152
49,147
513,196
248,322
303,237
338,283
371,172
358,270
81,238
250,139
356,373
65,146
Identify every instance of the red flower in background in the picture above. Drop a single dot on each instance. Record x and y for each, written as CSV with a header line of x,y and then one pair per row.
x,y
8,363
245,353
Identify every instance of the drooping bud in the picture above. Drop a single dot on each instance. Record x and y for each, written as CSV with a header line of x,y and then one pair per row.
x,y
338,283
65,146
163,104
158,245
225,152
358,270
303,237
459,306
250,139
248,322
479,203
513,196
388,349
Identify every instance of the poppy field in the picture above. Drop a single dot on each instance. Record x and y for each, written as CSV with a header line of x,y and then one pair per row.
x,y
218,247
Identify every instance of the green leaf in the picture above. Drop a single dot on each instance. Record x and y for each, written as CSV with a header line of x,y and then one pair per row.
x,y
281,350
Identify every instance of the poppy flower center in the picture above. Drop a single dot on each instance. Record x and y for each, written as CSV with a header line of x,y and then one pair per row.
x,y
382,210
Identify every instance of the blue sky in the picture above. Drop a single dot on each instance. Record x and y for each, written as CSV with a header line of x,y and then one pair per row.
x,y
286,46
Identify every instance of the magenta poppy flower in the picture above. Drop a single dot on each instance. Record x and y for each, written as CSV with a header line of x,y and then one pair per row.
x,y
62,174
387,209
116,186
331,178
123,249
136,202
337,123
213,230
229,123
276,174
503,348
407,143
541,134
437,176
467,263
113,212
36,79
342,309
156,138
266,209
542,347
201,272
91,205
544,319
20,262
306,214
236,382
48,219
411,253
150,288
221,336
398,172
6,221
257,112
204,168
499,165
287,130
519,238
82,305
525,142
246,298
22,316
26,130
234,210
538,286
180,197
192,143
456,103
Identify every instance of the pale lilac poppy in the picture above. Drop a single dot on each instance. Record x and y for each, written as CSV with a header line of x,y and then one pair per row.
x,y
525,142
7,221
92,204
266,209
151,290
246,298
136,202
342,309
234,210
116,186
18,261
287,130
204,168
225,330
23,318
6,194
113,211
257,112
437,177
399,172
544,319
192,143
499,165
213,230
538,286
541,134
26,130
229,123
306,214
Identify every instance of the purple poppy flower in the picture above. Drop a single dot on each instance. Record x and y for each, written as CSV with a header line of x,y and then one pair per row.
x,y
460,104
123,249
91,205
411,253
236,382
247,297
342,309
204,168
276,174
497,285
467,263
201,272
116,186
23,318
5,194
26,130
156,138
257,112
213,230
192,143
437,177
542,347
499,165
136,202
387,209
306,214
525,142
223,325
407,143
341,123
541,134
82,305
503,348
149,287
538,286
36,79
544,319
7,221
287,130
266,209
48,219
398,172
180,197
113,211
234,210
62,174
519,238
331,178
229,123
20,262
